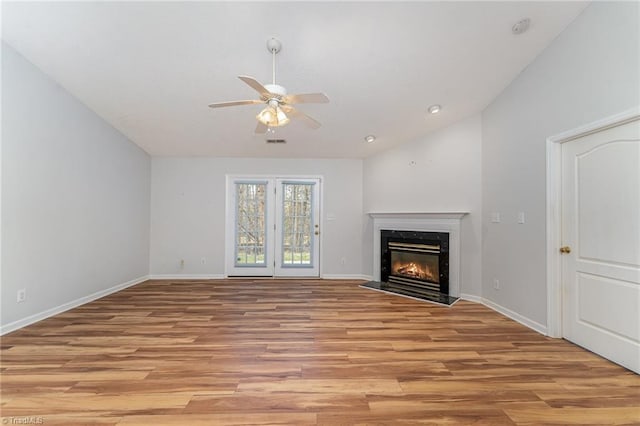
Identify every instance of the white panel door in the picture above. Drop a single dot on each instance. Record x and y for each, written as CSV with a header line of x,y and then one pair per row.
x,y
297,228
601,239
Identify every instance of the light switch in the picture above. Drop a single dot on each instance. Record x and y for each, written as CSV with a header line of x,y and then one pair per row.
x,y
520,217
495,217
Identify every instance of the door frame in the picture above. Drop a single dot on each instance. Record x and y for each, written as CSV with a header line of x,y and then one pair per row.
x,y
554,213
229,226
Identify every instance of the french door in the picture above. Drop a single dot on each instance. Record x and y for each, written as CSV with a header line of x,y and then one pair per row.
x,y
273,227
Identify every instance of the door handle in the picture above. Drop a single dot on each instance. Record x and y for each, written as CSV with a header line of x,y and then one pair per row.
x,y
565,250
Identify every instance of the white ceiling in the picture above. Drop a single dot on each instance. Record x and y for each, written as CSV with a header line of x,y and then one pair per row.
x,y
151,68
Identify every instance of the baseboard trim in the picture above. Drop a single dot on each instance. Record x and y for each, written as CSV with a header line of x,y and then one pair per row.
x,y
221,277
471,298
187,277
346,277
16,325
529,323
535,326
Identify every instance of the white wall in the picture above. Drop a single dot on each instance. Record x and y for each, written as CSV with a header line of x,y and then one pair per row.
x,y
75,198
445,177
188,211
591,71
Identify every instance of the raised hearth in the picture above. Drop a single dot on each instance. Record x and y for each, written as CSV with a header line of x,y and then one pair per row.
x,y
403,291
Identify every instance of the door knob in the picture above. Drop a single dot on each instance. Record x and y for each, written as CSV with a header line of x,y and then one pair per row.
x,y
565,250
317,233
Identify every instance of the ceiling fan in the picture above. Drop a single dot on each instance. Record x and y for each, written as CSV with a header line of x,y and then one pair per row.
x,y
278,110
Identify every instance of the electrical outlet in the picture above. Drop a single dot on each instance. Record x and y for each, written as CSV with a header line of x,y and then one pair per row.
x,y
203,260
343,260
521,217
496,284
22,295
181,263
495,217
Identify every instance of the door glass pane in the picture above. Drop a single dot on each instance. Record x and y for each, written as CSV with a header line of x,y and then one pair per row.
x,y
297,228
250,224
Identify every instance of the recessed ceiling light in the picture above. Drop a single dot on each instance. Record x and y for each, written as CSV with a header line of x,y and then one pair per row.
x,y
434,109
521,26
370,138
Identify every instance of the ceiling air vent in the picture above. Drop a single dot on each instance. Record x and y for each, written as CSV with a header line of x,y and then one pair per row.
x,y
276,141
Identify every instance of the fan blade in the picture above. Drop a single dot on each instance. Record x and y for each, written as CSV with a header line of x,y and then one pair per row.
x,y
255,85
234,103
294,113
261,128
306,98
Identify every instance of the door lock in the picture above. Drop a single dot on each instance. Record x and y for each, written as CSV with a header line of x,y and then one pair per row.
x,y
565,250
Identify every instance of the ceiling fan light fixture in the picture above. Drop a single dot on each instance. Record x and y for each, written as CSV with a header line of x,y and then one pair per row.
x,y
273,117
281,117
267,116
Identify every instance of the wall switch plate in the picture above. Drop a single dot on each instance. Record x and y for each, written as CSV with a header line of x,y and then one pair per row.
x,y
496,284
203,260
22,295
520,217
495,217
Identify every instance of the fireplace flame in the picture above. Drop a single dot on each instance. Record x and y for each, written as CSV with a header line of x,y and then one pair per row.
x,y
413,270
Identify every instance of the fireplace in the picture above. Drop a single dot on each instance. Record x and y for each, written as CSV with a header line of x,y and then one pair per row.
x,y
432,233
415,261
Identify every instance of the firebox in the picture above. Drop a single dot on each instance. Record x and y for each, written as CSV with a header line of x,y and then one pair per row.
x,y
415,261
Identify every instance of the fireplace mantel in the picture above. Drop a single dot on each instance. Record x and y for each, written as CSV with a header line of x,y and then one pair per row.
x,y
418,215
422,221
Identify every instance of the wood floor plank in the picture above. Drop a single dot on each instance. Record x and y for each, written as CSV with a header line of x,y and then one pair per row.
x,y
105,403
482,417
227,419
279,402
297,352
576,416
331,386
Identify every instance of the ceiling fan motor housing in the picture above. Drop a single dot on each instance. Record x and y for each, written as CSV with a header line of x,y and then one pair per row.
x,y
276,89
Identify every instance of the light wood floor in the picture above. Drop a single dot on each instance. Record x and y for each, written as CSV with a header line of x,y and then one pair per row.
x,y
300,352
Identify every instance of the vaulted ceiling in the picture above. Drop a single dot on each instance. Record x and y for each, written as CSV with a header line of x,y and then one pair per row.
x,y
151,68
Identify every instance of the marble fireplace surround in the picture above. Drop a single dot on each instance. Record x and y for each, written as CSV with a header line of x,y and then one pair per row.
x,y
448,222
